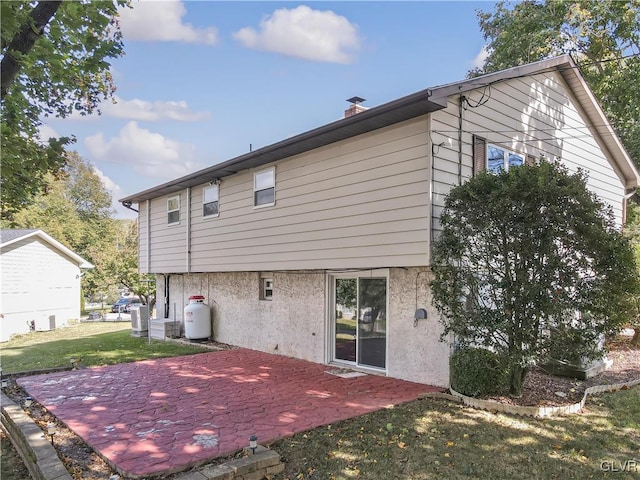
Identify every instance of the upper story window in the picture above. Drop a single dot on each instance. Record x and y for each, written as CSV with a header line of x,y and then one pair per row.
x,y
494,159
264,188
173,210
500,159
210,201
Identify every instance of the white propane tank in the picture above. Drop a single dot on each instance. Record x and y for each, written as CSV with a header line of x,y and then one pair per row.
x,y
197,319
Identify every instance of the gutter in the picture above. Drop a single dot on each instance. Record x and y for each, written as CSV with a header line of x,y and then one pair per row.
x,y
396,111
128,205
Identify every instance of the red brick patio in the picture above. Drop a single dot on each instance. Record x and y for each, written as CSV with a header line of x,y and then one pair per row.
x,y
167,415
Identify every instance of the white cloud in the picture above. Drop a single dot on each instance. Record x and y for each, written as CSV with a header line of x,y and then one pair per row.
x,y
45,132
143,110
321,36
478,62
162,21
144,152
116,193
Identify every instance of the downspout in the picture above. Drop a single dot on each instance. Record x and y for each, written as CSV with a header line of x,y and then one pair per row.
x,y
461,99
128,205
188,257
166,294
430,168
148,236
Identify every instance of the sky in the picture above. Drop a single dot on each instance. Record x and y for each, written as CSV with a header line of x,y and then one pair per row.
x,y
202,82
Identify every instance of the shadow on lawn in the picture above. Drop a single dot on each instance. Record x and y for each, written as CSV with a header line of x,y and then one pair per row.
x,y
437,439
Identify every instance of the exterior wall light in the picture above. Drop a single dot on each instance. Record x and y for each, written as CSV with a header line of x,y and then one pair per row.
x,y
421,314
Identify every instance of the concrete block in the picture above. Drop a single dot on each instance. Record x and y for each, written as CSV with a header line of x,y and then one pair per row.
x,y
218,472
279,468
267,459
243,465
192,476
257,475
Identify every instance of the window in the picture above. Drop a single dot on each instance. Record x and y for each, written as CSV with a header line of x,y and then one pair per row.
x,y
173,210
264,188
266,288
210,201
495,159
500,159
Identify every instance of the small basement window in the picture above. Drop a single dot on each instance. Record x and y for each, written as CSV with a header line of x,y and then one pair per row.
x,y
264,188
266,288
210,201
173,210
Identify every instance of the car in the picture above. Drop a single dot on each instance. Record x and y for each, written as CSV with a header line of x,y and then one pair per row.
x,y
131,305
123,304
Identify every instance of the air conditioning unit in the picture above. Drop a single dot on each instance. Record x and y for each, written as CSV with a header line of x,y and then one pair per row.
x,y
140,320
45,323
163,328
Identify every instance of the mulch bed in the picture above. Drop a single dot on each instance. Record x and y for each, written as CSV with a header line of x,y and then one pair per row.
x,y
543,389
540,389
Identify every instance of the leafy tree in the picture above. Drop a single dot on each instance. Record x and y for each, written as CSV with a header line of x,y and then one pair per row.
x,y
55,61
603,36
530,264
347,293
75,209
118,265
632,232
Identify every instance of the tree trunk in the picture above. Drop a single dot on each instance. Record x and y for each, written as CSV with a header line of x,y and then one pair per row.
x,y
517,375
635,341
23,41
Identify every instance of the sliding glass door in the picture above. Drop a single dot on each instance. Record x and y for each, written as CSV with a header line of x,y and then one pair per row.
x,y
360,319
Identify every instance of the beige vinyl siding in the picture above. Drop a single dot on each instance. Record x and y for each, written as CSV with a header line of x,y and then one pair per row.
x,y
358,203
168,242
143,237
531,115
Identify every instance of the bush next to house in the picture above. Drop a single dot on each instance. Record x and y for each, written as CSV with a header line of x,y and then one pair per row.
x,y
530,261
477,371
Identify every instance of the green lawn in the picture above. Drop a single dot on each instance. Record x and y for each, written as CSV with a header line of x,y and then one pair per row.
x,y
437,439
99,343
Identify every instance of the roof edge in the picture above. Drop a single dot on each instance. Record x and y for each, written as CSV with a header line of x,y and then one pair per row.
x,y
342,124
82,263
437,99
567,67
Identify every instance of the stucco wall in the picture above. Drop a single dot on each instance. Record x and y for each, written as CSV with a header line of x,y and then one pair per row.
x,y
415,352
294,323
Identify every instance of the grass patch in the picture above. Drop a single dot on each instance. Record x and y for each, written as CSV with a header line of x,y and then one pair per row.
x,y
430,438
96,343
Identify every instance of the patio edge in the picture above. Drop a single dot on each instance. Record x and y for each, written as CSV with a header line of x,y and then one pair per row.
x,y
38,455
43,463
542,412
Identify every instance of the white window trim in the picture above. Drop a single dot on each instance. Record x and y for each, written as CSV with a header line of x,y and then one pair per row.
x,y
255,175
263,288
174,210
217,188
505,159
